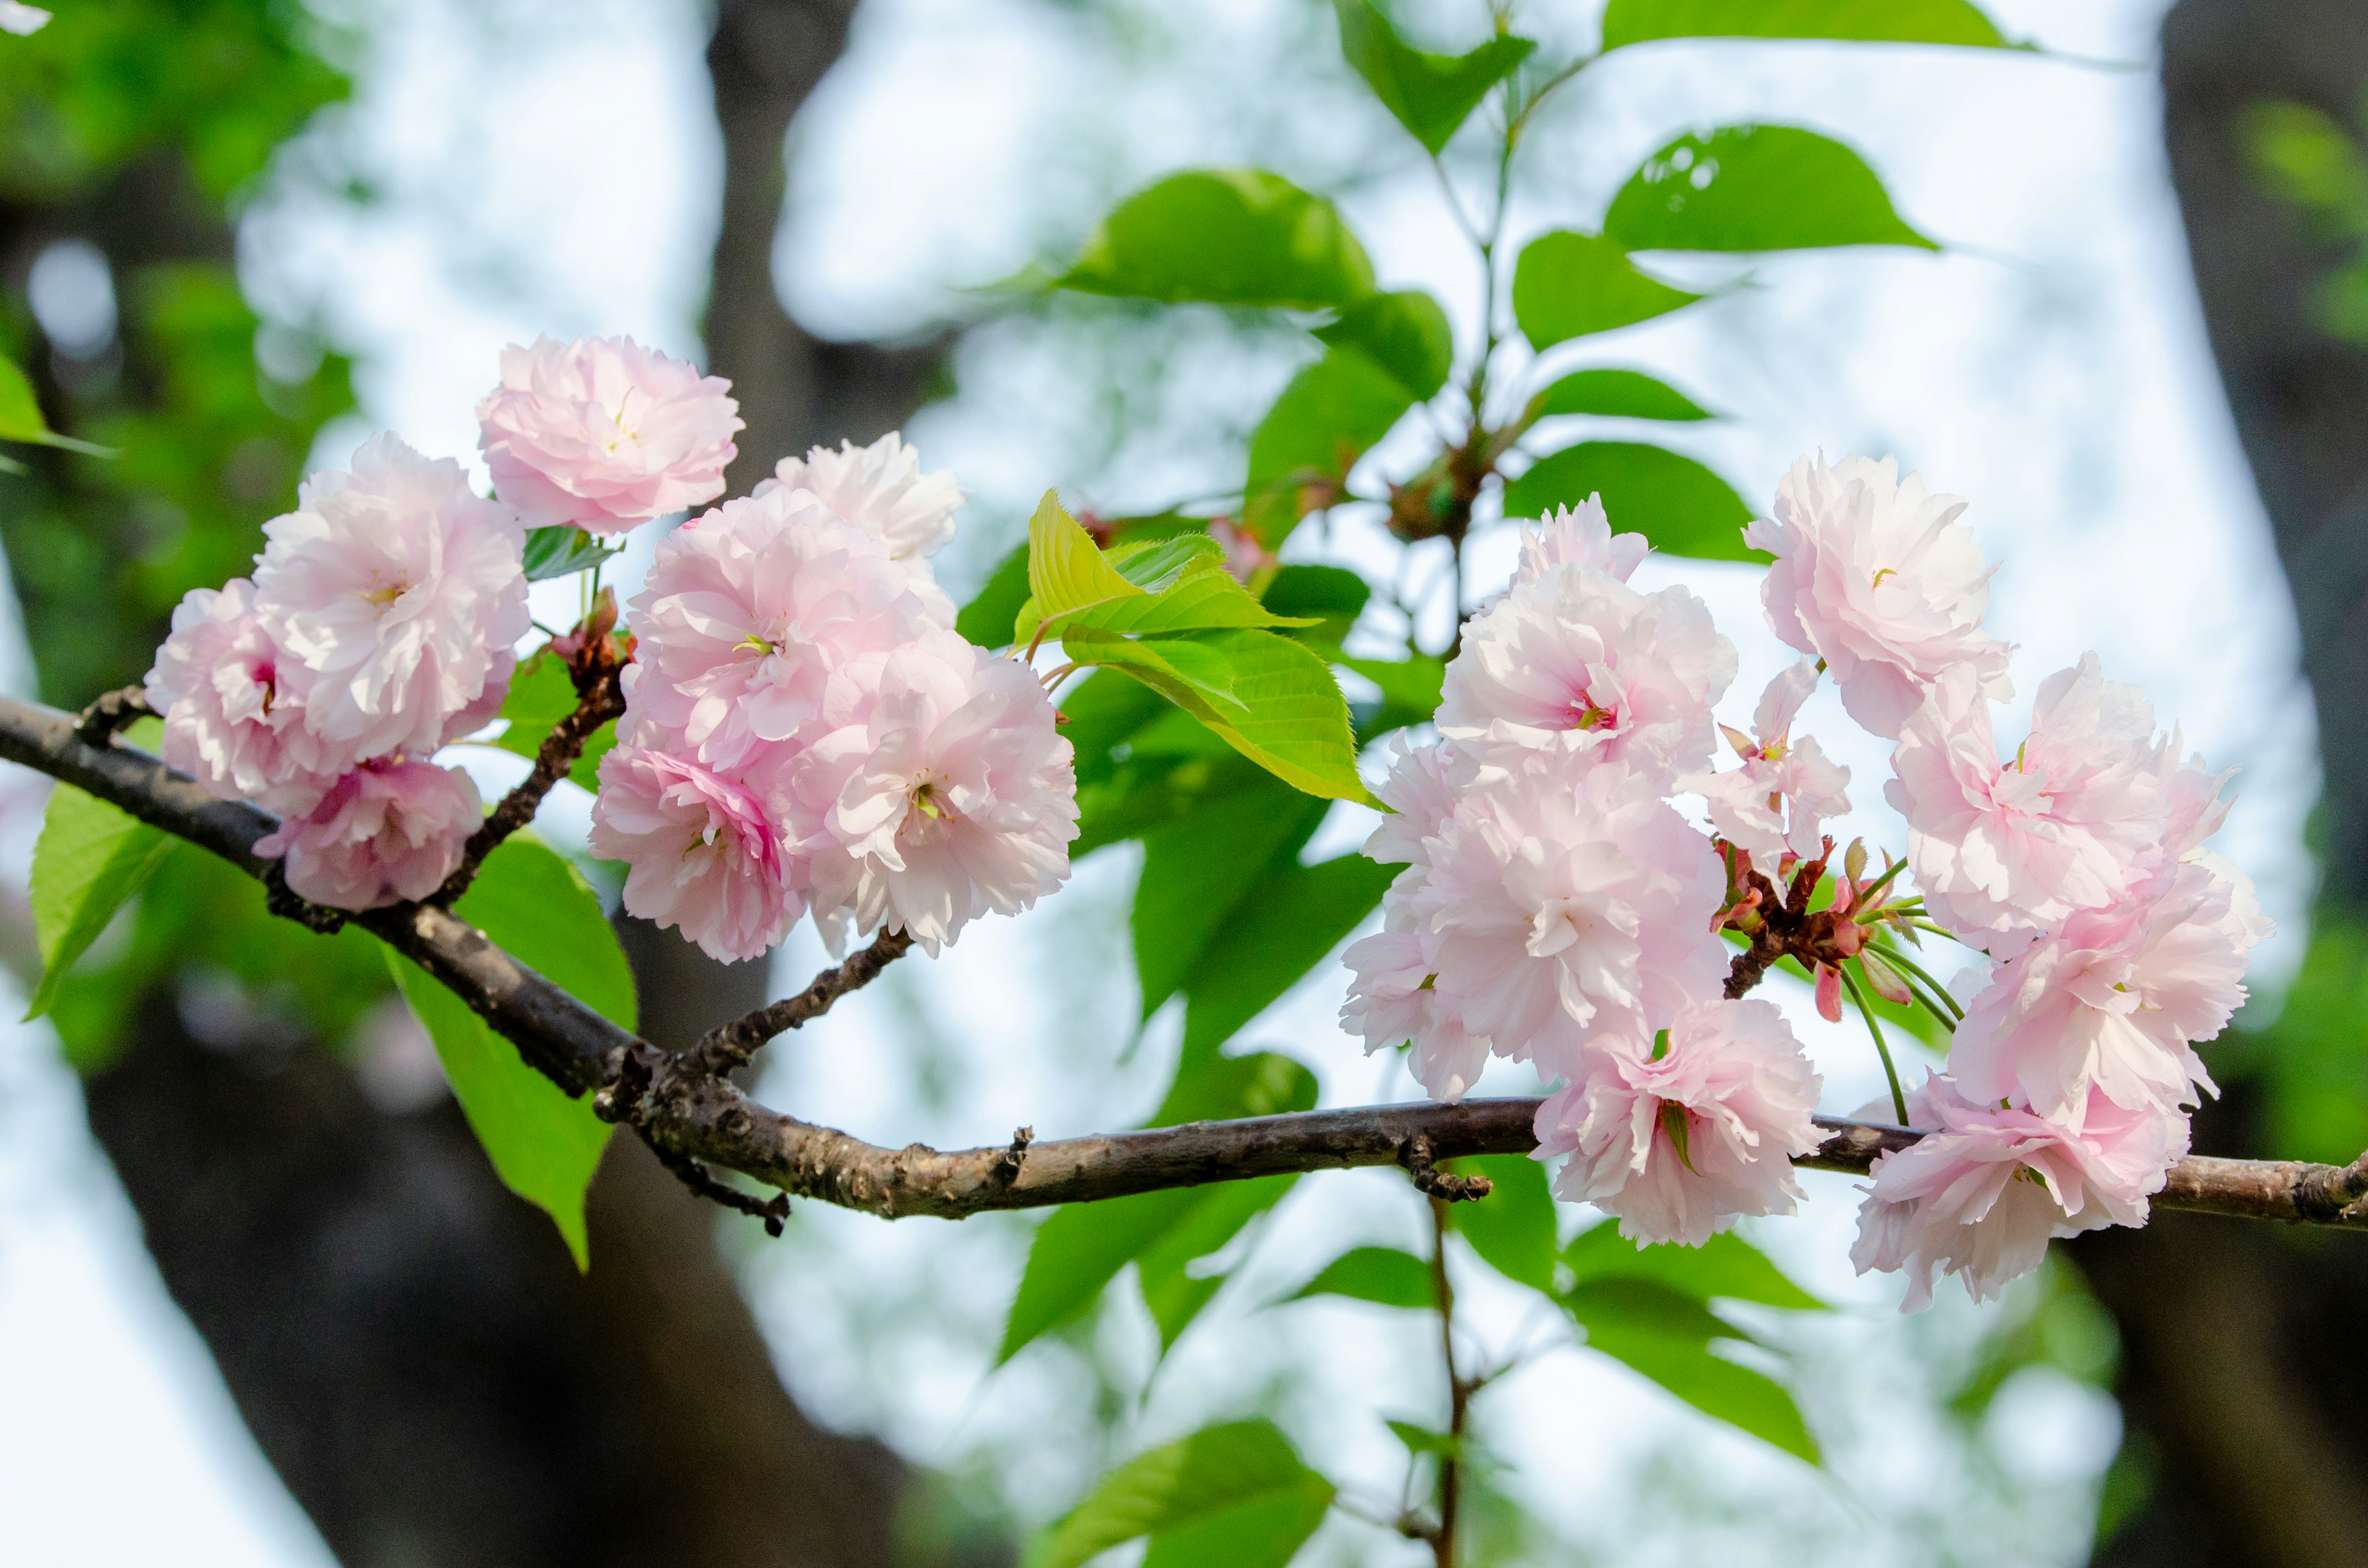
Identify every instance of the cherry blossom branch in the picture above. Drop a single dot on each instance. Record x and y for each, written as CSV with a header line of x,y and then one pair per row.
x,y
689,1113
729,1046
112,713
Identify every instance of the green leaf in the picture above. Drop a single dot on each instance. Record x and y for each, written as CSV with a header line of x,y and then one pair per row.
x,y
1512,1229
1431,94
1332,596
543,1144
1754,187
1302,452
1682,506
987,619
1567,285
1226,236
540,695
1726,1267
562,552
1174,1294
1420,1439
1383,1275
1270,698
1667,1335
1067,570
1405,334
1618,395
1196,870
1294,916
1226,1088
90,860
20,417
1870,21
1079,1250
1185,588
1236,1495
1411,688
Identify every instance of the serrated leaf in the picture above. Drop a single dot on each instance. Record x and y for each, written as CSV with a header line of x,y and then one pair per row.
x,y
1067,570
1755,188
1383,1275
90,860
987,619
1867,21
1226,236
1195,871
1431,94
1682,506
1567,285
1235,1493
1512,1229
1726,1267
1286,926
562,552
1302,452
1617,394
543,1144
1270,698
1405,334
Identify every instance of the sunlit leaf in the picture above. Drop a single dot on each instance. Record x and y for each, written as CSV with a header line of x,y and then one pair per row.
x,y
1236,1495
1325,420
1872,21
1229,236
1567,285
1383,1275
1186,587
1067,570
1405,334
90,858
1620,394
1755,188
1682,506
1431,94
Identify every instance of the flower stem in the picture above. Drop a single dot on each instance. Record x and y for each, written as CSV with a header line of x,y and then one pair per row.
x,y
1866,1010
1892,957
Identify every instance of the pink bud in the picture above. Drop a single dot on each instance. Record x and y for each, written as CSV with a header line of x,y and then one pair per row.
x,y
1829,994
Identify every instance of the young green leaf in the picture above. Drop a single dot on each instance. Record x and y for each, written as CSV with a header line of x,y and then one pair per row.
x,y
987,619
1321,424
544,1145
562,552
1236,1495
1186,589
1405,334
1567,285
1726,1267
1512,1229
1196,870
1293,917
1226,236
1755,188
1383,1275
1067,570
90,858
1682,506
1617,394
1431,94
1870,22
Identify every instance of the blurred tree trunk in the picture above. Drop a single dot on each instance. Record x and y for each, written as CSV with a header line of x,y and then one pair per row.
x,y
410,1344
2242,1372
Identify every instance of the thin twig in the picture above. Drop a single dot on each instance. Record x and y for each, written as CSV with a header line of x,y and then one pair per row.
x,y
601,697
729,1046
113,712
1458,1393
773,1210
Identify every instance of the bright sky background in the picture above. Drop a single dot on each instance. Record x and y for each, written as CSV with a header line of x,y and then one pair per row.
x,y
547,173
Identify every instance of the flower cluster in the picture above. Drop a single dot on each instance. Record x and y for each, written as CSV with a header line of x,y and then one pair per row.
x,y
804,729
1556,908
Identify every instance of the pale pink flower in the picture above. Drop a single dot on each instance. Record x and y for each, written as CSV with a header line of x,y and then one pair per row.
x,y
881,490
234,705
1981,1193
1786,789
746,613
400,591
1679,1133
958,795
1557,907
2075,820
702,854
1579,535
1581,665
602,433
1393,1002
387,832
1420,791
1878,578
2115,1001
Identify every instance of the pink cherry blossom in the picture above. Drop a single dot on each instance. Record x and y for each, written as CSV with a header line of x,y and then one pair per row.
x,y
1393,1002
747,612
1980,1194
389,831
702,854
1420,792
1878,578
1557,907
2115,1001
400,591
1579,535
1680,1134
1786,789
1580,664
881,490
602,433
958,796
2077,818
234,705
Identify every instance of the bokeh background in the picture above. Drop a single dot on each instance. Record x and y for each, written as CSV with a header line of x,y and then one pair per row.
x,y
260,1303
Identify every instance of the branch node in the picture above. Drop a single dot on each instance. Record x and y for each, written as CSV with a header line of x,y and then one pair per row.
x,y
618,1101
728,1047
1006,1166
1448,1187
99,724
